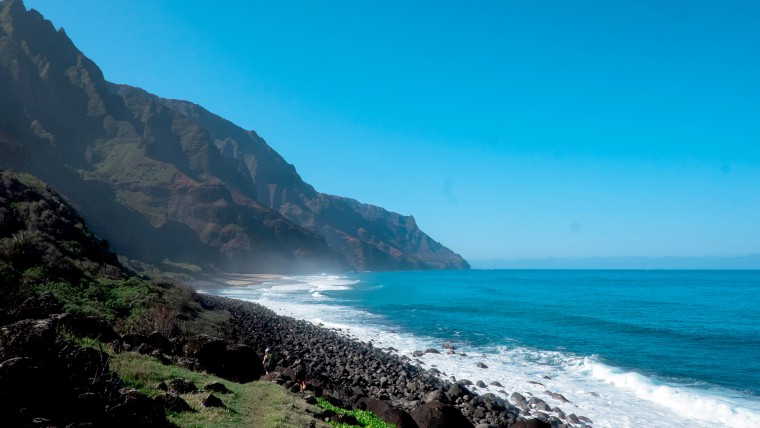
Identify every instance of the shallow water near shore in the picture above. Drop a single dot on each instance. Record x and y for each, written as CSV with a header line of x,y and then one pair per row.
x,y
626,348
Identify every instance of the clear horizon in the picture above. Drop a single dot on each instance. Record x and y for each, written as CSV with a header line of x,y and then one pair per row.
x,y
511,132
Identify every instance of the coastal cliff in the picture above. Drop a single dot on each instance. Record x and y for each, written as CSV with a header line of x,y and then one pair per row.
x,y
170,184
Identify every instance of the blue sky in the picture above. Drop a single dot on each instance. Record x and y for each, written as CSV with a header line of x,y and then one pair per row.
x,y
510,130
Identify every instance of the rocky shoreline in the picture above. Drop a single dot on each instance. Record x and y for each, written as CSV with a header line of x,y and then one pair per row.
x,y
355,374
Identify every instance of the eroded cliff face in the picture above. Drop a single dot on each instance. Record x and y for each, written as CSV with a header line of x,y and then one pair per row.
x,y
168,182
369,237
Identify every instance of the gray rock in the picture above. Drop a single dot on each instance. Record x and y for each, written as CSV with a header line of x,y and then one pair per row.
x,y
556,396
437,395
516,397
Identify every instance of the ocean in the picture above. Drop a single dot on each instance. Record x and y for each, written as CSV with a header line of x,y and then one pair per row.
x,y
626,348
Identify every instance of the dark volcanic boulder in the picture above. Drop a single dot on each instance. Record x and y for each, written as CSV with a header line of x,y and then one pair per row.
x,y
181,386
39,306
438,415
217,387
239,363
92,327
174,403
212,400
204,348
26,338
458,390
531,423
135,409
386,412
19,379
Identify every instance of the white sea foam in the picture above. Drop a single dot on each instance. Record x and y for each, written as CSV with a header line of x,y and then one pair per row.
x,y
610,397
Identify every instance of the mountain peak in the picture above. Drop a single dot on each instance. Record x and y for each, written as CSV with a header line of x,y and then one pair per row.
x,y
168,182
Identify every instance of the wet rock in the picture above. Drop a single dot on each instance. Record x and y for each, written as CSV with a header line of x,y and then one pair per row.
x,y
516,397
539,404
556,396
481,365
481,384
432,351
531,423
496,384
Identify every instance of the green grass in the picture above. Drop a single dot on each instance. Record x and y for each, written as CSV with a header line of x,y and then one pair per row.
x,y
184,266
365,418
255,404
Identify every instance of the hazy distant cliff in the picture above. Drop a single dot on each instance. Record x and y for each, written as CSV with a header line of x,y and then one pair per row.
x,y
170,183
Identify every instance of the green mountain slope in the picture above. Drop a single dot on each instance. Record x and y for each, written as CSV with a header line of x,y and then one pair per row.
x,y
168,183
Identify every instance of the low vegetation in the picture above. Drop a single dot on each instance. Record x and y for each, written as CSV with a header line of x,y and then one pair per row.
x,y
46,247
259,404
365,418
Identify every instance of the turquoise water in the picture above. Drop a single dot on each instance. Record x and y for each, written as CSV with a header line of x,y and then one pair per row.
x,y
626,347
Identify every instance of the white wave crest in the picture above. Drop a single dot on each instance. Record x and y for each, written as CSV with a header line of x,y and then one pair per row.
x,y
683,401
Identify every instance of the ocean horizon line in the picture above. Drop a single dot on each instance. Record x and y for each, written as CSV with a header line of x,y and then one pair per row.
x,y
744,262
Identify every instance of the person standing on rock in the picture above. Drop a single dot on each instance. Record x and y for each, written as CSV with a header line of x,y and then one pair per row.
x,y
301,377
266,359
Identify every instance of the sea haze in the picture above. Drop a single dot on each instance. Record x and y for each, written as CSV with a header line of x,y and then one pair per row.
x,y
626,348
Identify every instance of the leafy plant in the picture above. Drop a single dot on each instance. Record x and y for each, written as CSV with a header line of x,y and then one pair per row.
x,y
365,418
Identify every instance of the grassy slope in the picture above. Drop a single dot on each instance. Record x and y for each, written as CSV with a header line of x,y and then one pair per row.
x,y
259,404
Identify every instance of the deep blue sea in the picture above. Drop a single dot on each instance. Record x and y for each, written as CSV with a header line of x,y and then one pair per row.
x,y
626,348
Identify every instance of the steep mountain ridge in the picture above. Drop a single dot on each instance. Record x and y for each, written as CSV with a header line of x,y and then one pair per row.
x,y
167,182
370,237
